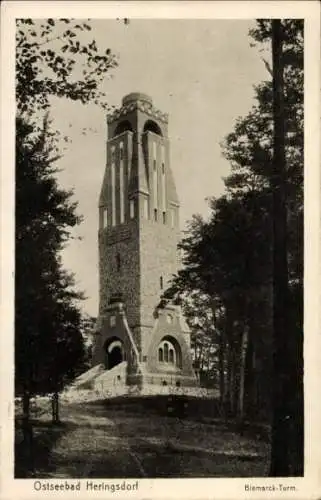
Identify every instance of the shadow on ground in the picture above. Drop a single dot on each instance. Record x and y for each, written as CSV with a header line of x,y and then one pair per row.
x,y
134,440
34,457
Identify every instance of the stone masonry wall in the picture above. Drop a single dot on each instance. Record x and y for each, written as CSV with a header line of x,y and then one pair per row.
x,y
158,258
125,281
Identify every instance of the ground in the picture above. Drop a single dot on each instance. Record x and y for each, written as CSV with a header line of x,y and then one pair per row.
x,y
97,440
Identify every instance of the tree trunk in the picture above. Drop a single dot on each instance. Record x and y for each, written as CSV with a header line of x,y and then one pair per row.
x,y
250,382
221,371
229,381
26,405
243,353
55,408
280,443
229,346
27,430
233,383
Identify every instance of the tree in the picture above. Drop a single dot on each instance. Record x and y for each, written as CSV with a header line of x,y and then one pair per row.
x,y
199,312
53,58
222,262
230,256
88,328
46,316
250,149
56,57
281,410
286,180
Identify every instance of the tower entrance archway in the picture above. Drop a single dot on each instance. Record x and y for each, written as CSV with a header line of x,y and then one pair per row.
x,y
114,352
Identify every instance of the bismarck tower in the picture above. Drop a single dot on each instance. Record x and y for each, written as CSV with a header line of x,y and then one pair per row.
x,y
138,237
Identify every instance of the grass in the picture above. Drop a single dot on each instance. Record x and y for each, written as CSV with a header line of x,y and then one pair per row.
x,y
130,439
36,458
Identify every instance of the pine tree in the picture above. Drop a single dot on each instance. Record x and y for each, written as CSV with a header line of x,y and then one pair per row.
x,y
54,57
47,317
230,255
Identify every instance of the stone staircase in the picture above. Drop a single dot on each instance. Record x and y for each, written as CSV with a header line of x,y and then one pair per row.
x,y
98,383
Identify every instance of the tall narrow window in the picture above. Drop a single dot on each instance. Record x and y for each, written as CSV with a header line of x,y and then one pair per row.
x,y
155,214
155,190
132,209
161,284
121,184
164,217
173,217
154,150
105,217
160,355
113,187
163,154
118,263
171,356
155,183
145,208
166,353
163,185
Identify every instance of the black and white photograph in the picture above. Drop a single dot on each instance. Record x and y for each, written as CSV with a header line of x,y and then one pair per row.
x,y
159,255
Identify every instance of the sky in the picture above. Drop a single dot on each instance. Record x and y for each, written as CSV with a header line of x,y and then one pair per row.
x,y
201,72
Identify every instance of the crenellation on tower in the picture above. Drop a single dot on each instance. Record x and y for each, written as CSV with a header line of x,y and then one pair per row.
x,y
138,238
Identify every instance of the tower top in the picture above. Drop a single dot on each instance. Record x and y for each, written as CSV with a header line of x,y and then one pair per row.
x,y
137,101
136,96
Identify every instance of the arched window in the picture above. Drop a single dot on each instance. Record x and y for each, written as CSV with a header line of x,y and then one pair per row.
x,y
124,126
151,126
161,282
169,353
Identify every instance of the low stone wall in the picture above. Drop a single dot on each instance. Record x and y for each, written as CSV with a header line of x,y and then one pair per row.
x,y
106,391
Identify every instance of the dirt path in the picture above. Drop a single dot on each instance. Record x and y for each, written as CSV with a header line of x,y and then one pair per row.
x,y
107,443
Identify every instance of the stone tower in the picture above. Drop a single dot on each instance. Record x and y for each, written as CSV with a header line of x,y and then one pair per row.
x,y
138,236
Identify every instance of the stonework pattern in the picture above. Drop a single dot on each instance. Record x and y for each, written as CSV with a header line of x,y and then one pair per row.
x,y
138,237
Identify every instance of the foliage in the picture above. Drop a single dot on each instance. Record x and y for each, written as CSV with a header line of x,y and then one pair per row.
x,y
53,57
229,257
249,147
88,328
48,343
